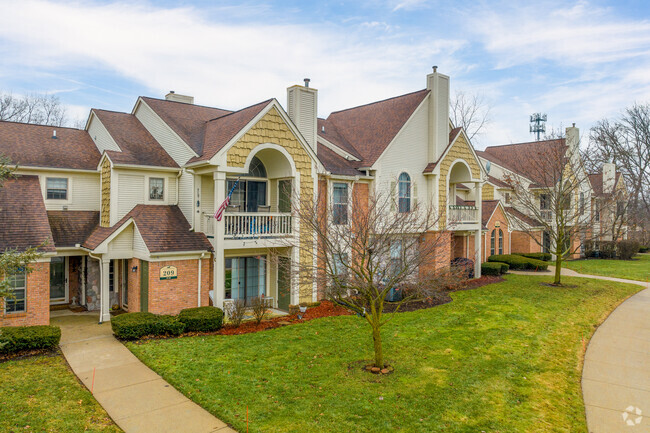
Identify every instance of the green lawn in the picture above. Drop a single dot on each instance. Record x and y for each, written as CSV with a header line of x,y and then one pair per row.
x,y
636,269
41,394
502,358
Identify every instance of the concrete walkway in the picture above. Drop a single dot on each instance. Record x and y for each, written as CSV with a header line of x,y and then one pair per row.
x,y
616,371
135,397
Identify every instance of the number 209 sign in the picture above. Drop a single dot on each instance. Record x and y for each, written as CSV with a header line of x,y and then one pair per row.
x,y
168,273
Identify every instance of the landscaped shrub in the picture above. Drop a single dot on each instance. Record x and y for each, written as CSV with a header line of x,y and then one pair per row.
x,y
545,257
644,249
235,311
625,250
201,319
600,249
260,308
131,326
519,263
491,268
18,338
504,267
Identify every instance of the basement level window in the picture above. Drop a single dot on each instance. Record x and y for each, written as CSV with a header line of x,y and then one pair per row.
x,y
156,188
57,188
16,302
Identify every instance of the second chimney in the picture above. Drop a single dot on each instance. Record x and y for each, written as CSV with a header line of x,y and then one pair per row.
x,y
173,96
302,107
609,177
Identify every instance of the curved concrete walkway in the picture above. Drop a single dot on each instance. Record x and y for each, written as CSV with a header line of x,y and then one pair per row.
x,y
135,397
616,370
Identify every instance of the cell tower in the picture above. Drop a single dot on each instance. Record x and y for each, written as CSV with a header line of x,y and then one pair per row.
x,y
537,124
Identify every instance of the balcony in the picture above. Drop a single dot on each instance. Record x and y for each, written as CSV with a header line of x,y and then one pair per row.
x,y
251,225
462,215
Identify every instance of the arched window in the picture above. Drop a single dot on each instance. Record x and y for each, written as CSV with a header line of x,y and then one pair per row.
x,y
500,241
404,192
492,236
256,169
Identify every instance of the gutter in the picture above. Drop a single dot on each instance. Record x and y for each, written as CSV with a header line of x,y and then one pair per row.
x,y
101,281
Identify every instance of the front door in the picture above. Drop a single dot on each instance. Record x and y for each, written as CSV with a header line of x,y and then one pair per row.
x,y
58,280
284,283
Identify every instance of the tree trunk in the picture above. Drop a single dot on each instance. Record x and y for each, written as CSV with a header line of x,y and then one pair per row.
x,y
558,269
376,338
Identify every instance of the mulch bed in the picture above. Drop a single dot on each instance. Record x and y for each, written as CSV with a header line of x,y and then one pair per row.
x,y
28,353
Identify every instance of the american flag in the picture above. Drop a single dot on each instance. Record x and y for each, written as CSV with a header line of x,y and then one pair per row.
x,y
219,213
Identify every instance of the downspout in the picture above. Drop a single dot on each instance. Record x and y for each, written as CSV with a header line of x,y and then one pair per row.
x,y
199,285
101,281
180,173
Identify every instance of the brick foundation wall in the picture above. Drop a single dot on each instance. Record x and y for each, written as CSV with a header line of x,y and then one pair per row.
x,y
171,296
37,305
441,258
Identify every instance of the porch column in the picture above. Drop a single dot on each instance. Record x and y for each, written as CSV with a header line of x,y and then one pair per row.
x,y
104,297
217,242
295,252
478,188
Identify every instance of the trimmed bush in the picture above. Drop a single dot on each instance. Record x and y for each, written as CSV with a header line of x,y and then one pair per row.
x,y
131,326
519,263
201,319
627,249
504,267
545,257
19,338
491,268
644,249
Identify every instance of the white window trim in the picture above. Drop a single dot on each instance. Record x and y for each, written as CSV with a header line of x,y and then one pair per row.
x,y
330,202
411,182
55,201
4,310
256,179
164,200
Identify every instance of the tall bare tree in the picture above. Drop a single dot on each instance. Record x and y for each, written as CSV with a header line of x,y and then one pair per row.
x,y
626,142
366,248
554,191
471,111
37,109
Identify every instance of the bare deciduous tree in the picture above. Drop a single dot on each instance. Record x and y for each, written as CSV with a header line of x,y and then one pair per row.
x,y
553,192
36,109
626,142
366,249
470,111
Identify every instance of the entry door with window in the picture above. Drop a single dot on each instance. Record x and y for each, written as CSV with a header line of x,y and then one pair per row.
x,y
245,277
58,280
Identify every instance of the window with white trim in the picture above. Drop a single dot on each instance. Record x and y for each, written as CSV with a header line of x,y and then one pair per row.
x,y
17,286
404,192
156,188
57,188
340,203
500,241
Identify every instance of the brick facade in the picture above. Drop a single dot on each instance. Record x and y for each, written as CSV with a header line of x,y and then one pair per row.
x,y
37,305
497,222
523,243
171,296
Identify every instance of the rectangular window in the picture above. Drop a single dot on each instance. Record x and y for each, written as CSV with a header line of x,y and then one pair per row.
x,y
17,285
582,203
156,188
507,197
111,276
57,188
620,209
597,212
340,203
544,202
245,277
284,195
340,264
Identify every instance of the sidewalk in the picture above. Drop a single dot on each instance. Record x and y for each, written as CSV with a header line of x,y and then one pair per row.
x,y
135,397
616,371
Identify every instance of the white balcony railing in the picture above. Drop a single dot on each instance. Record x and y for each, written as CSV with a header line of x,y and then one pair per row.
x,y
462,215
547,215
257,224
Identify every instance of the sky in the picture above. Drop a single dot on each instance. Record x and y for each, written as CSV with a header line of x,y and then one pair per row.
x,y
578,62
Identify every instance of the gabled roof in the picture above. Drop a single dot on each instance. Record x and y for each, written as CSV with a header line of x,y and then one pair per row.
x,y
367,130
70,228
33,146
23,219
452,136
335,163
534,160
498,182
163,229
596,181
487,208
218,132
138,147
523,217
186,120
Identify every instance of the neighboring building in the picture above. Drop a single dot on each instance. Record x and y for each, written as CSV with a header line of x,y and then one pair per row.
x,y
609,204
126,206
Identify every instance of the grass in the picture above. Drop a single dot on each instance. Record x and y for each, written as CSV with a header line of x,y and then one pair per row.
x,y
636,269
41,394
502,358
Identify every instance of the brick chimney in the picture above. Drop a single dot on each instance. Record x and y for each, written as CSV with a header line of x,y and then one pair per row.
x,y
438,84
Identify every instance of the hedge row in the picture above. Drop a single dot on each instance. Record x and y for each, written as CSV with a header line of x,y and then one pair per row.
x,y
623,250
545,257
519,263
494,268
132,326
644,249
18,338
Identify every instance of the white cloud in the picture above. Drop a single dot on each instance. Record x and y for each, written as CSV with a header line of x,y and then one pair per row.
x,y
224,62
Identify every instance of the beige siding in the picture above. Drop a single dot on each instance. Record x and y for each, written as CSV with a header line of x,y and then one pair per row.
x,y
101,137
122,243
174,146
139,247
171,194
273,194
186,195
83,190
131,193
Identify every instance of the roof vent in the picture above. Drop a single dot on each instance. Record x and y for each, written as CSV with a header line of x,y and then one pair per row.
x,y
54,133
307,80
435,69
